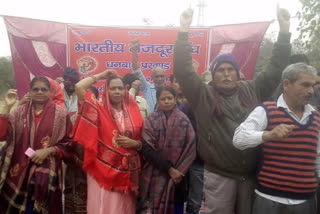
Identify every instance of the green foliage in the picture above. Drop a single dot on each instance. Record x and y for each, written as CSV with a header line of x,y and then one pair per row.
x,y
309,23
314,56
264,56
7,79
298,47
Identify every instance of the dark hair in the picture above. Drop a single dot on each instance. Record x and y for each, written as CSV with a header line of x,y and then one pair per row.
x,y
296,58
172,77
129,78
113,78
40,79
165,88
95,91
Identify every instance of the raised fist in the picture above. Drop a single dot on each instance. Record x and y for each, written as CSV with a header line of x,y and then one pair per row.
x,y
186,19
134,44
280,132
283,16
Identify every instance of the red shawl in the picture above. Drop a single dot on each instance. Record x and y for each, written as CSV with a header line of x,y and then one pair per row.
x,y
18,172
113,167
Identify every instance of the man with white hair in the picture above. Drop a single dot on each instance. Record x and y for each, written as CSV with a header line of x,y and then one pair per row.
x,y
288,133
158,77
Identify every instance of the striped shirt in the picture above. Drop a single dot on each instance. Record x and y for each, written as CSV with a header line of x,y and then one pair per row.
x,y
249,135
287,166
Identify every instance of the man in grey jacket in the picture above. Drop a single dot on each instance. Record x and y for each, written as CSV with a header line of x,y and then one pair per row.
x,y
219,108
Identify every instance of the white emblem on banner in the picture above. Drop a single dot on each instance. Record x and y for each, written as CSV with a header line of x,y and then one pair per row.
x,y
44,54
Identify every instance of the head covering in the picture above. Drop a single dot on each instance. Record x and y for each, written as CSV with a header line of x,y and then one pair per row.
x,y
224,58
218,91
112,166
71,74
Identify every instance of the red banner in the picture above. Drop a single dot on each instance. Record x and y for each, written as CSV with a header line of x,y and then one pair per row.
x,y
242,40
94,49
38,48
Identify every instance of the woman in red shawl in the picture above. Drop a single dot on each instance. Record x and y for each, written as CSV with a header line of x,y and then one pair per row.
x,y
168,149
110,133
36,133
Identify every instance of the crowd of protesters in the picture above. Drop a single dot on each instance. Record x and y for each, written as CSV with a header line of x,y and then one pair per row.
x,y
241,146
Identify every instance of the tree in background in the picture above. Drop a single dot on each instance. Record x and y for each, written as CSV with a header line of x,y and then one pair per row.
x,y
265,53
313,53
309,23
7,79
309,28
298,47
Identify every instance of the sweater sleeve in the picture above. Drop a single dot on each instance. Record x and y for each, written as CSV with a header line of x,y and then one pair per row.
x,y
267,81
183,70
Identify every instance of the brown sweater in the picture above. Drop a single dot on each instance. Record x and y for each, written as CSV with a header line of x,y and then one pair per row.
x,y
215,134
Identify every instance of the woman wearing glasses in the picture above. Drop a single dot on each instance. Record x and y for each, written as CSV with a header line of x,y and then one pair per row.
x,y
36,133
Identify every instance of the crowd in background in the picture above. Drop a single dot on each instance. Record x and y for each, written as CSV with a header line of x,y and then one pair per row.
x,y
242,146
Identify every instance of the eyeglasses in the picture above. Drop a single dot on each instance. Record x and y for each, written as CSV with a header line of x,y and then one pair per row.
x,y
35,90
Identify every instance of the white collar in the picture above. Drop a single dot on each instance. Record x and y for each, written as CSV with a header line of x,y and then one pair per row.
x,y
308,109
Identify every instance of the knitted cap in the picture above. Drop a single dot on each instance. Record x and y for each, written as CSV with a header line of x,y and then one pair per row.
x,y
224,58
72,74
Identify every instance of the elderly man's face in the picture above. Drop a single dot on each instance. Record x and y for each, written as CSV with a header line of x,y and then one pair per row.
x,y
158,76
300,92
225,75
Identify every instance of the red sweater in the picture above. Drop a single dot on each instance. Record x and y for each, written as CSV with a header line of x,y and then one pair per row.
x,y
287,167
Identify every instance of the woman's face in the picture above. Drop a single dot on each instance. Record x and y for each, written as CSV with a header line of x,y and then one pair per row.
x,y
166,101
40,92
116,91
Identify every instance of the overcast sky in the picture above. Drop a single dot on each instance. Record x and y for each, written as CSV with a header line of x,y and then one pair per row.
x,y
131,13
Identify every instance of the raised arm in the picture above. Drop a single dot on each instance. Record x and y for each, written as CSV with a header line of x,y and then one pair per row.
x,y
83,85
183,70
267,81
135,64
10,99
